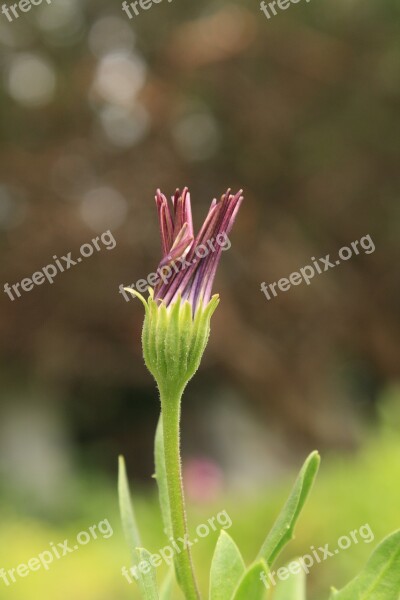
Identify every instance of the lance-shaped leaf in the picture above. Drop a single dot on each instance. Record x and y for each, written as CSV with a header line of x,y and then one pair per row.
x,y
146,575
167,585
227,568
146,580
293,586
283,529
128,518
380,578
161,478
253,584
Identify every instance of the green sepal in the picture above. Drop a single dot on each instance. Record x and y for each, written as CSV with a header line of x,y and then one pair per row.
x,y
174,339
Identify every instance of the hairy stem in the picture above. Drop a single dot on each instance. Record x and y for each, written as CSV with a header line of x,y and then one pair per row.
x,y
171,410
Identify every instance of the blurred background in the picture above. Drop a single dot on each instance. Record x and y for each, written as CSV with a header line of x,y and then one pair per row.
x,y
97,111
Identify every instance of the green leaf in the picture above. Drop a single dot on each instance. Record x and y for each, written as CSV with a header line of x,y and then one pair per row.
x,y
283,529
128,518
161,478
227,568
147,575
251,585
380,578
146,581
293,587
167,585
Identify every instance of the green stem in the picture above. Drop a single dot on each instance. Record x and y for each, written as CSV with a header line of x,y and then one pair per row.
x,y
171,412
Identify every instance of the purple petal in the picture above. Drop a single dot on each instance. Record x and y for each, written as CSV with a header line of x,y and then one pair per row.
x,y
194,281
166,224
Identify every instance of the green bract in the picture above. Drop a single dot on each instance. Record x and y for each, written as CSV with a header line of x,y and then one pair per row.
x,y
174,339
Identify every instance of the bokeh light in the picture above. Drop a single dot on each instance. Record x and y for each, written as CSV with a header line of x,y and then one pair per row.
x,y
196,136
31,80
62,22
122,127
13,207
110,34
119,77
103,208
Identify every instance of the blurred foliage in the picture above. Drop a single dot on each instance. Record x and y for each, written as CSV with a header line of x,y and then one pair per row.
x,y
348,493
